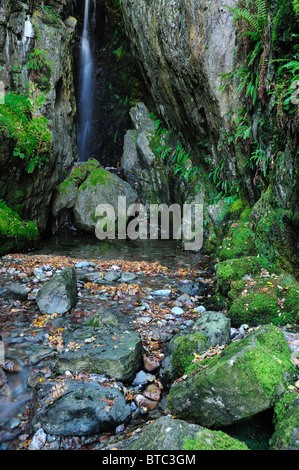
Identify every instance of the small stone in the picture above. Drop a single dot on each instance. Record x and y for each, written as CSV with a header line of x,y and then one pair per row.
x,y
162,292
140,379
38,441
177,311
144,402
200,309
150,364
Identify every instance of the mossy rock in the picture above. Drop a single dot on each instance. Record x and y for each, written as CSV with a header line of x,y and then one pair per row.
x,y
239,242
169,434
286,420
210,329
262,301
235,269
16,234
184,347
248,377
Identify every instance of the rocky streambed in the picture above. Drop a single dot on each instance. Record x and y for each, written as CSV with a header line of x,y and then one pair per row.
x,y
106,347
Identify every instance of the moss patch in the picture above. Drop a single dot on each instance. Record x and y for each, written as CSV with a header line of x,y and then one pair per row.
x,y
264,300
286,420
234,269
15,233
186,346
214,440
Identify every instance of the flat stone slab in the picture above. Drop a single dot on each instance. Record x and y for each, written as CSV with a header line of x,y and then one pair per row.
x,y
115,352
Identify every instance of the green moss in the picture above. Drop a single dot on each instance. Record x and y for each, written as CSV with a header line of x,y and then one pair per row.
x,y
247,378
263,301
185,348
286,420
234,269
239,242
15,233
214,440
291,303
97,176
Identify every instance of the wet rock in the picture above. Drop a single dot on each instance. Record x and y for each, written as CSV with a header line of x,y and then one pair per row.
x,y
162,292
140,379
171,434
38,440
128,277
59,294
112,276
247,378
115,352
75,408
13,291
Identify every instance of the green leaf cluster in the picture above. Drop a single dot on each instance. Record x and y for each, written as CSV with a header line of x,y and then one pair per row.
x,y
29,134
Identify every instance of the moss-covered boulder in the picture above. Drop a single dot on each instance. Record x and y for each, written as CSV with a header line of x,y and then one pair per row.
x,y
248,377
235,269
65,195
210,329
264,300
15,234
286,420
174,434
101,187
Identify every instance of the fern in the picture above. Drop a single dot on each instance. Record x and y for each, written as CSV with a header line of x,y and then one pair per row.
x,y
28,134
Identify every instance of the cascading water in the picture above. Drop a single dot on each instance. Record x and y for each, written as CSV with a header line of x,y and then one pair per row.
x,y
86,82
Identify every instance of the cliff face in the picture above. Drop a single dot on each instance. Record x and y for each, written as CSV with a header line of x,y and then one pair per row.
x,y
49,36
242,134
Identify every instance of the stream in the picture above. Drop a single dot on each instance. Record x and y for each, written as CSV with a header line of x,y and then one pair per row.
x,y
25,331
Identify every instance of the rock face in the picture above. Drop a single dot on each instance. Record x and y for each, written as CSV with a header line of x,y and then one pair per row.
x,y
139,164
83,408
54,36
246,379
181,52
58,295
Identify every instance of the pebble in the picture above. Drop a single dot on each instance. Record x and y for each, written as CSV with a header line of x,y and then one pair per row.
x,y
162,292
177,311
200,309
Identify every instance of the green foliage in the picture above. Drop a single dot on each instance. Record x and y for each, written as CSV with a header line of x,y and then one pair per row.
x,y
296,8
39,68
50,15
171,154
15,233
28,134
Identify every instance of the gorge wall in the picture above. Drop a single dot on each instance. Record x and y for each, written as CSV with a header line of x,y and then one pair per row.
x,y
241,134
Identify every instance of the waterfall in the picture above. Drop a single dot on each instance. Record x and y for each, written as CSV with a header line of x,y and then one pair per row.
x,y
86,82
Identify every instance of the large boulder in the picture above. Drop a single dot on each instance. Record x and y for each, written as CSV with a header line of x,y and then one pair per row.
x,y
174,434
58,295
247,378
210,330
110,350
75,408
101,187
